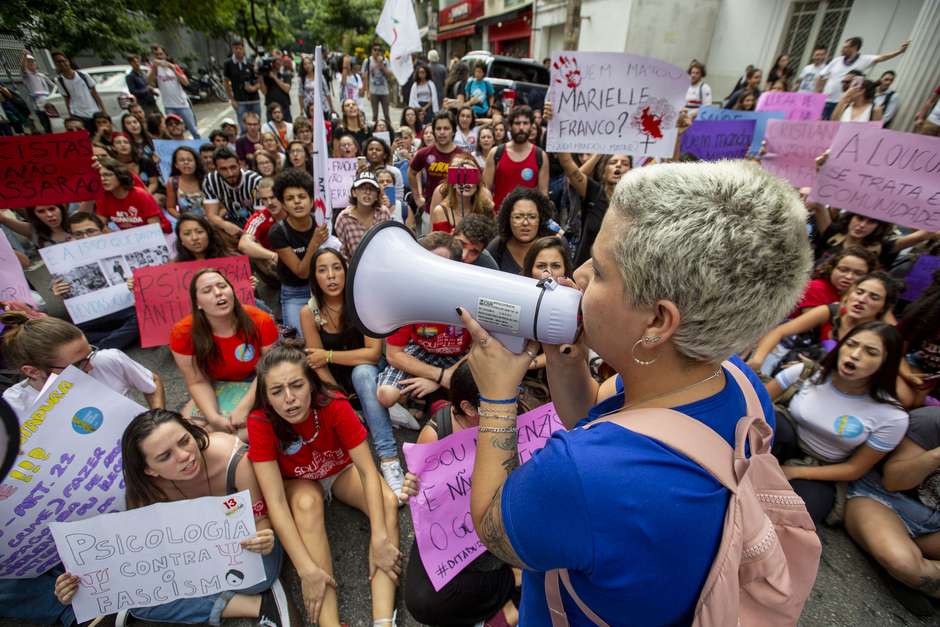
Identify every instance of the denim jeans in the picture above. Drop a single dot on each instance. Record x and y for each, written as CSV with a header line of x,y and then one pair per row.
x,y
293,299
33,600
189,118
380,425
208,609
245,107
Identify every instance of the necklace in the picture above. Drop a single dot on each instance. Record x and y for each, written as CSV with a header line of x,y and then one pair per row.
x,y
667,393
205,468
316,429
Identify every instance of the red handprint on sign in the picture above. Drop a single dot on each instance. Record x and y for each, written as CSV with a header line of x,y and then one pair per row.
x,y
568,66
652,117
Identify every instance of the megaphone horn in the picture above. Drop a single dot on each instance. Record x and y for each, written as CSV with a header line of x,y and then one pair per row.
x,y
393,282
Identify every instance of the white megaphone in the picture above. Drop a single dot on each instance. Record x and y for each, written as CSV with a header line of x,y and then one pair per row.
x,y
392,281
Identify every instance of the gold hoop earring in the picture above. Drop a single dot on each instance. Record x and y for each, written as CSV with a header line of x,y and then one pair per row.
x,y
652,340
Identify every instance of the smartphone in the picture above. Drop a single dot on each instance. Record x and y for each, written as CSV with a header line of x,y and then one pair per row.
x,y
390,194
463,176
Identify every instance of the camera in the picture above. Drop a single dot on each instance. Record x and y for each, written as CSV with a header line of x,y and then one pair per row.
x,y
266,64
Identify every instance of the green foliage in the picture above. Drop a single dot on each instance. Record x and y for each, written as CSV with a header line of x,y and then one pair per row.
x,y
339,24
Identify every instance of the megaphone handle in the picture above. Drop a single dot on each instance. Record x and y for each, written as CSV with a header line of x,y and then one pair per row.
x,y
513,342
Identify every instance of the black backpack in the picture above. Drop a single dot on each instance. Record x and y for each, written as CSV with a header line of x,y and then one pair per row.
x,y
501,150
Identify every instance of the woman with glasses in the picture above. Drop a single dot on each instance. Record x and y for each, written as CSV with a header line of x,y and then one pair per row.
x,y
523,218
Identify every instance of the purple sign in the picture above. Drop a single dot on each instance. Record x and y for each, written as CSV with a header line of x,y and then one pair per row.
x,y
886,175
761,117
447,541
920,277
711,140
796,105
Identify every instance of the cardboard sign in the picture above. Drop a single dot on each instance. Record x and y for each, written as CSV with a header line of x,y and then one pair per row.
x,y
760,117
447,541
796,105
13,285
160,553
161,294
340,180
920,277
886,175
47,170
614,103
69,468
97,268
712,140
165,149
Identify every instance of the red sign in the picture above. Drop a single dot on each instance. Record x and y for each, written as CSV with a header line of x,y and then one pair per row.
x,y
461,12
46,170
161,293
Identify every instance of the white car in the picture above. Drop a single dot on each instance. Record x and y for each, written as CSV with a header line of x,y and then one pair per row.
x,y
111,86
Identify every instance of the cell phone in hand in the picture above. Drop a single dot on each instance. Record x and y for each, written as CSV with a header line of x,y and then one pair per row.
x,y
463,176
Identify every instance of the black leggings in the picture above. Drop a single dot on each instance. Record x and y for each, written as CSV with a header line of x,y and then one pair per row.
x,y
820,496
467,599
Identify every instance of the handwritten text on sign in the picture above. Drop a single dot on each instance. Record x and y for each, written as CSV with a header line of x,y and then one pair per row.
x,y
609,102
69,468
342,175
886,175
152,555
447,541
46,170
97,268
796,105
710,140
13,285
161,294
760,117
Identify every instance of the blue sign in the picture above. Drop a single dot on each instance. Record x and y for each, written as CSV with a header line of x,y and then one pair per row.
x,y
761,117
165,148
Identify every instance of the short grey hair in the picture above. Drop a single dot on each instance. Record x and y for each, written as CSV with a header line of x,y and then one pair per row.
x,y
433,57
726,242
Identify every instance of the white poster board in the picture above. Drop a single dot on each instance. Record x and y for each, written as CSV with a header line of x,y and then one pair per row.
x,y
340,181
160,553
97,268
69,468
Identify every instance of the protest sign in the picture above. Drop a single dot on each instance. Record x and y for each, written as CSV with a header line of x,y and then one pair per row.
x,y
68,468
13,285
760,117
160,553
886,175
920,277
447,541
97,268
161,294
796,105
165,149
342,175
46,170
712,140
610,102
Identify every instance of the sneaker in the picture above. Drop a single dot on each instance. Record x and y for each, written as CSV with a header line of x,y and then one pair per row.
x,y
394,477
275,611
401,417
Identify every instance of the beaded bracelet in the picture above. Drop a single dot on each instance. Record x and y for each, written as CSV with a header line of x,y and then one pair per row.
x,y
504,401
496,429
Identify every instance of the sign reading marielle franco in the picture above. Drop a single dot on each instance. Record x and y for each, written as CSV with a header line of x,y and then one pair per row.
x,y
46,170
614,103
69,468
160,553
886,175
97,268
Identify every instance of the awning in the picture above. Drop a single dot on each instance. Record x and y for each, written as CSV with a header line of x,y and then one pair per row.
x,y
505,15
465,31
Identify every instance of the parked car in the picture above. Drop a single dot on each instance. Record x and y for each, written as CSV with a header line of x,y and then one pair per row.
x,y
526,79
111,86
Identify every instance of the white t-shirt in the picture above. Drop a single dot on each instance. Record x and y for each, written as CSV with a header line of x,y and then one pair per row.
x,y
110,367
698,96
808,76
837,68
467,142
833,425
81,103
170,89
934,117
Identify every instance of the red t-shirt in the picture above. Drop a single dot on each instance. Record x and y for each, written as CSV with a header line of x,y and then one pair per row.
x,y
818,292
439,339
511,174
314,454
238,357
436,164
131,211
258,225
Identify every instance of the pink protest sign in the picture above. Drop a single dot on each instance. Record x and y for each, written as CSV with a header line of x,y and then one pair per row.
x,y
797,105
886,175
13,285
447,541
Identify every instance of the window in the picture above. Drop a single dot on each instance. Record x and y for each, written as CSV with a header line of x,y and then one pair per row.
x,y
812,23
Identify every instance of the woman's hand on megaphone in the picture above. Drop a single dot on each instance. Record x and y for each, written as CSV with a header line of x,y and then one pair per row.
x,y
496,370
564,354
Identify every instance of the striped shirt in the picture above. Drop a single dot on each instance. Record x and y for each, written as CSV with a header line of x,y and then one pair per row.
x,y
238,202
350,231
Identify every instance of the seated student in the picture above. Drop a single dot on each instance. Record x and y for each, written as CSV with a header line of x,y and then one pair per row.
x,y
344,357
45,225
295,239
474,232
920,328
124,203
124,151
523,217
39,347
365,210
835,276
167,459
304,438
422,357
895,515
216,348
852,229
206,152
870,298
268,212
843,419
458,201
115,330
399,209
486,589
184,187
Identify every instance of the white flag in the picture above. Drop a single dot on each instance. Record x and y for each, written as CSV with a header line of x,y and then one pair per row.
x,y
399,27
322,210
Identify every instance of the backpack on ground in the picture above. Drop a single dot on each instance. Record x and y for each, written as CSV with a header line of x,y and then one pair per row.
x,y
767,560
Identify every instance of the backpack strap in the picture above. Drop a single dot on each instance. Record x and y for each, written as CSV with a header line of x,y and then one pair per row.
x,y
500,151
556,609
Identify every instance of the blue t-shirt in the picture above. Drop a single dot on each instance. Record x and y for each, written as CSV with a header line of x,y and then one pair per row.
x,y
481,89
636,524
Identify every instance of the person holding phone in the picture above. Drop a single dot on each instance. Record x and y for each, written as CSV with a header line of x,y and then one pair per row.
x,y
857,103
461,195
171,79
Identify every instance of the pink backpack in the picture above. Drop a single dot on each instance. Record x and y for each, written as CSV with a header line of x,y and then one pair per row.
x,y
766,563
